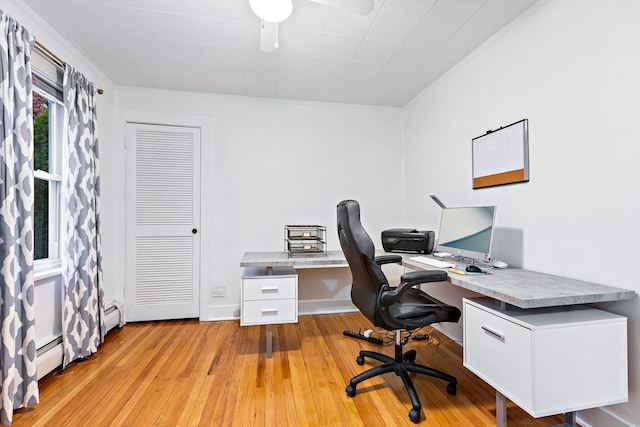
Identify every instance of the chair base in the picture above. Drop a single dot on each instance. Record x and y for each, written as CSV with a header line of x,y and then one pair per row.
x,y
401,365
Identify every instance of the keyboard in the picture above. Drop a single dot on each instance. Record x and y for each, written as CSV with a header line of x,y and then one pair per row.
x,y
432,262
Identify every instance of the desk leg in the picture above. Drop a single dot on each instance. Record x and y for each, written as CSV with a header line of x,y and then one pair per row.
x,y
501,410
501,413
269,341
569,420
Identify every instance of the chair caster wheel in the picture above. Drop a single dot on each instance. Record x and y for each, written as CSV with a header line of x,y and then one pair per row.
x,y
360,360
414,415
410,356
351,390
451,388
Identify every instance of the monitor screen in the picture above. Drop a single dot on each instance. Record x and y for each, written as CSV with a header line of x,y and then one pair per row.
x,y
467,231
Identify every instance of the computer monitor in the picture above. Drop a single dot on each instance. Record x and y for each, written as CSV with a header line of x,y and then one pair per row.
x,y
467,231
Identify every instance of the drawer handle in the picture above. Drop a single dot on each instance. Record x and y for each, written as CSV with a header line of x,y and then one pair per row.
x,y
269,290
270,312
494,333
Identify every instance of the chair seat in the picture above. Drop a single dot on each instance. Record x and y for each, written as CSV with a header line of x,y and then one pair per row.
x,y
416,309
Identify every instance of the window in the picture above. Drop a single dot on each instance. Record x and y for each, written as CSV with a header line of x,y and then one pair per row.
x,y
47,177
48,116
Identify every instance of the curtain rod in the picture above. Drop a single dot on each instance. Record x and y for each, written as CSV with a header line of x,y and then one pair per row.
x,y
56,59
52,56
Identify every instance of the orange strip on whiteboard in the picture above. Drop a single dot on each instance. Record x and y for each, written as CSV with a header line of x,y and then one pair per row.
x,y
499,178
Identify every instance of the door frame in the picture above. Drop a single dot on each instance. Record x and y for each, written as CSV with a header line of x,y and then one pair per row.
x,y
205,123
175,233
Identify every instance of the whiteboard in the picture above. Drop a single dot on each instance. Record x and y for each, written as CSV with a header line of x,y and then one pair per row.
x,y
501,156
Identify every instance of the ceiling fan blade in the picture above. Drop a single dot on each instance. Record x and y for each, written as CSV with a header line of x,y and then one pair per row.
x,y
268,36
361,7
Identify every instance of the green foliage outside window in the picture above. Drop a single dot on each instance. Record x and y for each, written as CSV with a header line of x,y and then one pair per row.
x,y
41,162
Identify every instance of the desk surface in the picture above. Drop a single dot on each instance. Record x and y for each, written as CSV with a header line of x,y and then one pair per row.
x,y
530,289
521,288
281,259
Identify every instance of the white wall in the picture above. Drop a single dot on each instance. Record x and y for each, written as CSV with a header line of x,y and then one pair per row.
x,y
571,67
266,164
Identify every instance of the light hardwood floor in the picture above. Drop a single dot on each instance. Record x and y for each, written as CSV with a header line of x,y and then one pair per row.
x,y
190,373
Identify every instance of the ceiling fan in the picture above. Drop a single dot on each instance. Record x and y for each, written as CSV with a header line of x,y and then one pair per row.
x,y
271,12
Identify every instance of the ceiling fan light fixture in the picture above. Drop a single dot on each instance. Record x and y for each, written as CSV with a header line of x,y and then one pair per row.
x,y
273,11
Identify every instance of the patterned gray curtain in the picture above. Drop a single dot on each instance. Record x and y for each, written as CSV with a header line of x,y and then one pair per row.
x,y
19,381
83,327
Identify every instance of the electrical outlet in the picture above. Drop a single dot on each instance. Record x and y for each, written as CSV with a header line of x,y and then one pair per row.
x,y
217,292
236,312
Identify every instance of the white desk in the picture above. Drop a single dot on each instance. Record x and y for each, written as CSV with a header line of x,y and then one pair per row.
x,y
530,289
533,341
269,290
521,294
281,259
547,360
514,286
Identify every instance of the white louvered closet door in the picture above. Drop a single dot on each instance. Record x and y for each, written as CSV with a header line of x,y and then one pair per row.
x,y
163,219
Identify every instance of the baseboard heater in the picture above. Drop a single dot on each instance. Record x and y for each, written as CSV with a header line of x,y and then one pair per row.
x,y
49,356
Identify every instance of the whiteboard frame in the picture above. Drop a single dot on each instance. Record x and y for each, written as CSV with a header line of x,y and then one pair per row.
x,y
501,157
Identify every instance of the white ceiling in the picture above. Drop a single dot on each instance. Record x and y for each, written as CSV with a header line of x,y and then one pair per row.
x,y
325,54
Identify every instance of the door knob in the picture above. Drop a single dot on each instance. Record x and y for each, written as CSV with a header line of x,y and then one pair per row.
x,y
194,231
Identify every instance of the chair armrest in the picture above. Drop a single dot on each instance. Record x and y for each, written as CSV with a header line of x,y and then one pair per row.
x,y
424,276
387,259
408,280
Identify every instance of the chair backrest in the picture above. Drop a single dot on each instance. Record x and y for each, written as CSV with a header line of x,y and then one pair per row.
x,y
359,250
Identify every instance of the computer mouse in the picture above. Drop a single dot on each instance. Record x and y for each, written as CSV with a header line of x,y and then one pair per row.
x,y
500,264
474,269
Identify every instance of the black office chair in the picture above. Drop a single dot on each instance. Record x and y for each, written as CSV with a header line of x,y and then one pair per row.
x,y
391,308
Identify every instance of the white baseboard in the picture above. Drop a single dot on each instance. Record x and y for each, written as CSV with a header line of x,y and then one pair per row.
x,y
453,331
220,312
600,417
113,317
49,357
325,306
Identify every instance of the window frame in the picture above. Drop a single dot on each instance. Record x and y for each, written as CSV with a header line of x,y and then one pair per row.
x,y
52,265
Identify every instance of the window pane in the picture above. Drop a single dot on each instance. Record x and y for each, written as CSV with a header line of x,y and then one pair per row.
x,y
41,219
41,133
41,162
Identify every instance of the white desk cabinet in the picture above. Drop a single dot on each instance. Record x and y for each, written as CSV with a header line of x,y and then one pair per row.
x,y
269,296
548,361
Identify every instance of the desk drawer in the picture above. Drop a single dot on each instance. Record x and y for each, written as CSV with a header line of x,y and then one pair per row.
x,y
269,312
499,351
266,288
